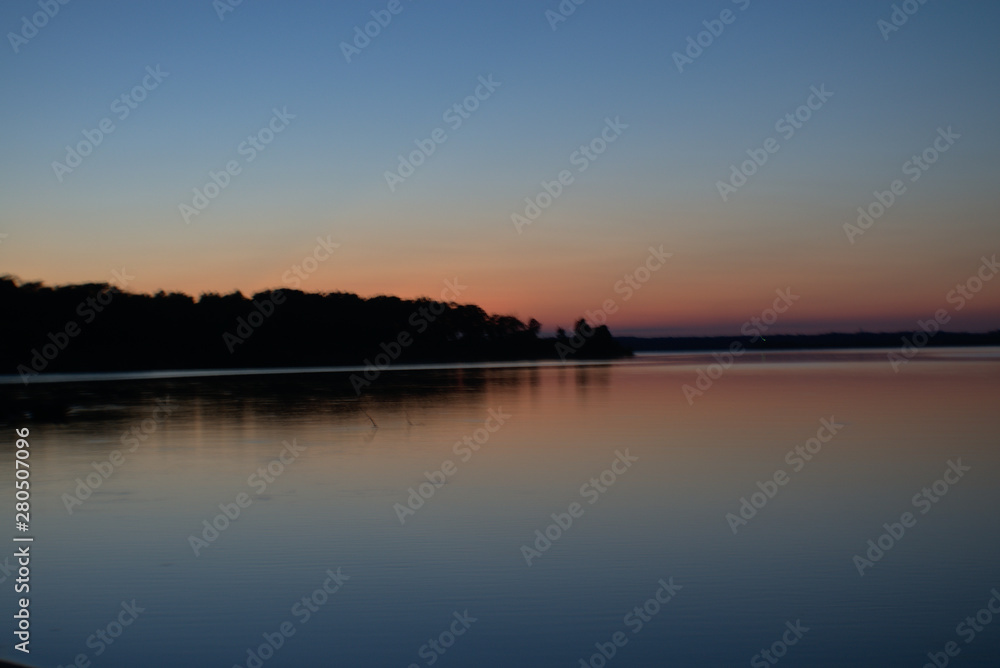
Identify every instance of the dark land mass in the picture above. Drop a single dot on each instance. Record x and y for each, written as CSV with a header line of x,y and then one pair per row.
x,y
96,328
99,328
918,339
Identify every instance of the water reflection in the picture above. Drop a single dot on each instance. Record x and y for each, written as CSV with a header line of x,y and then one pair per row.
x,y
334,507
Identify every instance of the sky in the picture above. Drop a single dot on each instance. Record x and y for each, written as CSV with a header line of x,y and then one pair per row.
x,y
310,114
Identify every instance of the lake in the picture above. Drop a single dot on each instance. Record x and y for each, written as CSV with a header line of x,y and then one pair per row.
x,y
536,515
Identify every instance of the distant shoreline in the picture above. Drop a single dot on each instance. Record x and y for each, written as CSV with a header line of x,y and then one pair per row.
x,y
76,330
831,341
10,380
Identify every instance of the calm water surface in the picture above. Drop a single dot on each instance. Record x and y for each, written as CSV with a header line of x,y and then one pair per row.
x,y
338,504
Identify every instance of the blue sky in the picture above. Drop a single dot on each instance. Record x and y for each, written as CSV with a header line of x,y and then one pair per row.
x,y
324,174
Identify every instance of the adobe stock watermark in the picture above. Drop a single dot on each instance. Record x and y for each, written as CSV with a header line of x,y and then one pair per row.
x,y
247,325
250,148
899,17
755,327
264,308
714,28
435,648
259,481
582,158
223,7
591,491
562,12
797,459
454,116
420,320
786,126
967,629
628,285
914,168
131,439
308,265
37,21
103,638
122,106
779,648
303,610
636,620
88,309
381,18
464,449
924,500
959,296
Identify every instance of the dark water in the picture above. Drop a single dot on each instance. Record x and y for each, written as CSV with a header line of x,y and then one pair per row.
x,y
455,571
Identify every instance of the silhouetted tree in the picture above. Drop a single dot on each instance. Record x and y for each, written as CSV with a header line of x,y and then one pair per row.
x,y
96,327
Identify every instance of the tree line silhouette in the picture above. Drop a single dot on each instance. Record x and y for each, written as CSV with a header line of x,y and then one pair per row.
x,y
830,340
96,327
